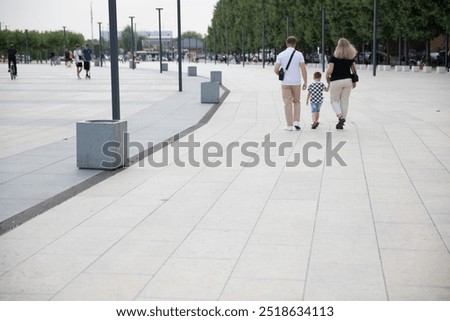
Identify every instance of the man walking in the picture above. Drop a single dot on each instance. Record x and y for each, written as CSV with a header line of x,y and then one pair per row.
x,y
87,61
292,61
12,52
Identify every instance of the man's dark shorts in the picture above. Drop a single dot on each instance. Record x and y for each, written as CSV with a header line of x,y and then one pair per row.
x,y
87,65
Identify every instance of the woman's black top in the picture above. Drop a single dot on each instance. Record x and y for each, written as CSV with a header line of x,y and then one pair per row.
x,y
341,68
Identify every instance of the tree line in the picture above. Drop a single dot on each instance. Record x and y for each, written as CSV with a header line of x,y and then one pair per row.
x,y
246,24
39,44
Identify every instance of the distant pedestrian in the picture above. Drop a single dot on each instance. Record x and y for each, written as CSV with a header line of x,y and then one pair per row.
x,y
12,52
339,76
291,84
87,61
52,58
315,94
78,56
68,58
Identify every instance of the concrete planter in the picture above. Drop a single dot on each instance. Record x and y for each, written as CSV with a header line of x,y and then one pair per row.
x,y
210,92
192,71
398,68
132,65
415,68
406,69
216,76
441,70
427,69
101,144
165,66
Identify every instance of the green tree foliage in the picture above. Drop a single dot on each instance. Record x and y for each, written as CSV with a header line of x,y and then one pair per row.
x,y
40,44
235,20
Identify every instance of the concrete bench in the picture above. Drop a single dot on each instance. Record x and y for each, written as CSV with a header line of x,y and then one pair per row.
x,y
210,92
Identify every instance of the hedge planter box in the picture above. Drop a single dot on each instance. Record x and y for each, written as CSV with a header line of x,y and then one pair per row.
x,y
101,144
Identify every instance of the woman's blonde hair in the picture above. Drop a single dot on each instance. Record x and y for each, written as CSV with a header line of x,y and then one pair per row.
x,y
345,50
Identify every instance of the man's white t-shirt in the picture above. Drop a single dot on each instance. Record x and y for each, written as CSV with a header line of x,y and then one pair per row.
x,y
292,76
78,54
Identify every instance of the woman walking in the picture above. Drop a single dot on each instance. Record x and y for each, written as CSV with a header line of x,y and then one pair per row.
x,y
341,75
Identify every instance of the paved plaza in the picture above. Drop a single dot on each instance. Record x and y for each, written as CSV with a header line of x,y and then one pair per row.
x,y
219,228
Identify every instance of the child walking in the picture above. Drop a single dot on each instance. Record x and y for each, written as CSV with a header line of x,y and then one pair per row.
x,y
315,93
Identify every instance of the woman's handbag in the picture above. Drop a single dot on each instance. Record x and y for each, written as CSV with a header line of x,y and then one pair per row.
x,y
355,77
281,71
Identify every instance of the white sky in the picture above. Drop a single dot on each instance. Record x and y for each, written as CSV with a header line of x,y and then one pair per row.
x,y
49,15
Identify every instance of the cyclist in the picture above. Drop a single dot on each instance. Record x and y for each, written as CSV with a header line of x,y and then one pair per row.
x,y
12,52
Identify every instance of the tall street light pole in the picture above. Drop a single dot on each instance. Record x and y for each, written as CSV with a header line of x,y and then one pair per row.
x,y
26,45
180,79
100,43
160,41
65,40
132,43
323,36
115,92
375,45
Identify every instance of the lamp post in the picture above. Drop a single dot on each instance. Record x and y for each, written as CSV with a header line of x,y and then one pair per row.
x,y
26,45
113,44
160,41
132,43
65,39
100,43
374,45
180,78
323,36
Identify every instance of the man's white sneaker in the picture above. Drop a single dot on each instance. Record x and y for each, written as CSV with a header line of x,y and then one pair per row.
x,y
289,128
297,125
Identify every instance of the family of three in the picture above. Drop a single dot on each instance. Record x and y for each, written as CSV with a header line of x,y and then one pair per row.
x,y
341,79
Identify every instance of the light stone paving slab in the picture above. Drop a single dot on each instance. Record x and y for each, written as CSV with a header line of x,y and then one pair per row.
x,y
376,229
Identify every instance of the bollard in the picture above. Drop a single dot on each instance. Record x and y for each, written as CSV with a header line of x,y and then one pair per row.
x,y
192,71
441,70
100,144
210,92
216,76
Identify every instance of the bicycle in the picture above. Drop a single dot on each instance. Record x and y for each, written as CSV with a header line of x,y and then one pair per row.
x,y
12,71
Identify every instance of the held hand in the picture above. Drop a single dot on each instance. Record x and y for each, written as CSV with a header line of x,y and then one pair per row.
x,y
354,85
304,86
